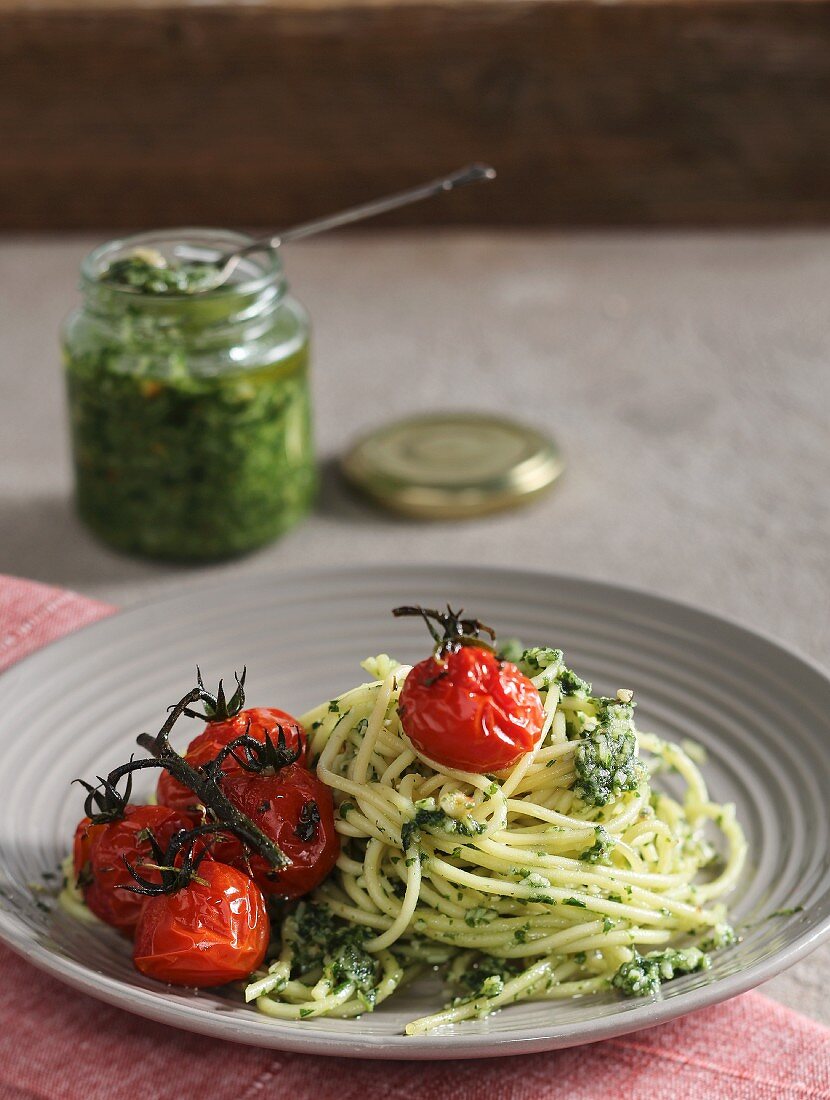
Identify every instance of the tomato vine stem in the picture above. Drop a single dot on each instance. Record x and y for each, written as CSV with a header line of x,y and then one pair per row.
x,y
204,782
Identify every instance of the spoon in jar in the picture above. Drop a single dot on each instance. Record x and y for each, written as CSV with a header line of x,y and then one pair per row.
x,y
227,262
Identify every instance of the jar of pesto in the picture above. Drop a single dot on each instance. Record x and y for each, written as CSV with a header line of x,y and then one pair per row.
x,y
189,406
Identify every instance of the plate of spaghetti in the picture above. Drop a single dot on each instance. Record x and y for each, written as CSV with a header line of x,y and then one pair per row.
x,y
426,813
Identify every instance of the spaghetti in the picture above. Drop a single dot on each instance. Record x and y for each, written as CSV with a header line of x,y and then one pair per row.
x,y
545,881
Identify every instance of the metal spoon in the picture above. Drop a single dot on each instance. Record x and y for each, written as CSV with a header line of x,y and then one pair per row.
x,y
227,262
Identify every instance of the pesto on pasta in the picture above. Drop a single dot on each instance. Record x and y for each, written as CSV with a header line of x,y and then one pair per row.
x,y
565,874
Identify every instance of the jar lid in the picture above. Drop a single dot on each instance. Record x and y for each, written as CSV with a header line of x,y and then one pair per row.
x,y
452,465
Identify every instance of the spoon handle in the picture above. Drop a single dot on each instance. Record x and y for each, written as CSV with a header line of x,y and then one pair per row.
x,y
473,173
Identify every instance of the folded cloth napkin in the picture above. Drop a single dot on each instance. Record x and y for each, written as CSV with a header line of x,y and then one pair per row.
x,y
56,1043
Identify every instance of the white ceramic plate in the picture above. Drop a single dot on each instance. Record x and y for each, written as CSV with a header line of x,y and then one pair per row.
x,y
74,710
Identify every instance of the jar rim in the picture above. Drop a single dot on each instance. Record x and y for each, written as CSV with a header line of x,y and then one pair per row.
x,y
264,269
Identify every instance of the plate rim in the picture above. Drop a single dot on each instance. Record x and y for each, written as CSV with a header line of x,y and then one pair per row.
x,y
528,572
287,1035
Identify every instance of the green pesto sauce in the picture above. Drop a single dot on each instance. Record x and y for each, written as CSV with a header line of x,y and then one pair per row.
x,y
180,454
147,272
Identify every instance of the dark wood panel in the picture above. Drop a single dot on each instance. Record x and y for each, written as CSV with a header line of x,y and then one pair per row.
x,y
686,112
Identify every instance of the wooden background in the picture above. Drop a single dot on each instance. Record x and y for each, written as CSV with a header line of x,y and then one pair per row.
x,y
665,112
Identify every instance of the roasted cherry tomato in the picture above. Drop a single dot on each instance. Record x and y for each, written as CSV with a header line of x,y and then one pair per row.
x,y
256,723
213,930
465,708
86,834
103,849
295,810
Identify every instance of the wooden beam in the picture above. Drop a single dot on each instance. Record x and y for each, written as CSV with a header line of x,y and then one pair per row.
x,y
664,112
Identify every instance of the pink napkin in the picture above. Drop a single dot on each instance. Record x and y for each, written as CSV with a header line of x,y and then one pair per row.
x,y
58,1043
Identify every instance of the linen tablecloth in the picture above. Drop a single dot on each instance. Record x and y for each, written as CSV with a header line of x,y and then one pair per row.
x,y
56,1043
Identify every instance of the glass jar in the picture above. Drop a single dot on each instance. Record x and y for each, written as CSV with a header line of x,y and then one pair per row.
x,y
190,412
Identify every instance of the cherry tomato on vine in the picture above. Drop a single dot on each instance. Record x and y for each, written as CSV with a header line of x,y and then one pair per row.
x,y
255,722
211,931
293,808
464,707
102,849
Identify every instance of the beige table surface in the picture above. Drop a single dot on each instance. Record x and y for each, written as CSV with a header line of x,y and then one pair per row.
x,y
686,376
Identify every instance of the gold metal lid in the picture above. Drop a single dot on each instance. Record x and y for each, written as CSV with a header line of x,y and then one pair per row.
x,y
452,465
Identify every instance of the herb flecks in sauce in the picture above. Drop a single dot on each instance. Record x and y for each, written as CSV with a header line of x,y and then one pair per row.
x,y
148,272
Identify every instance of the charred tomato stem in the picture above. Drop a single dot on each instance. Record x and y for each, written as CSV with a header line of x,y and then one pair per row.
x,y
104,802
173,877
449,629
260,757
203,782
217,707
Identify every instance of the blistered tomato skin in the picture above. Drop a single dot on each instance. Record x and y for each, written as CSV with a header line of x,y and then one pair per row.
x,y
256,722
105,874
212,931
467,709
84,840
295,809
